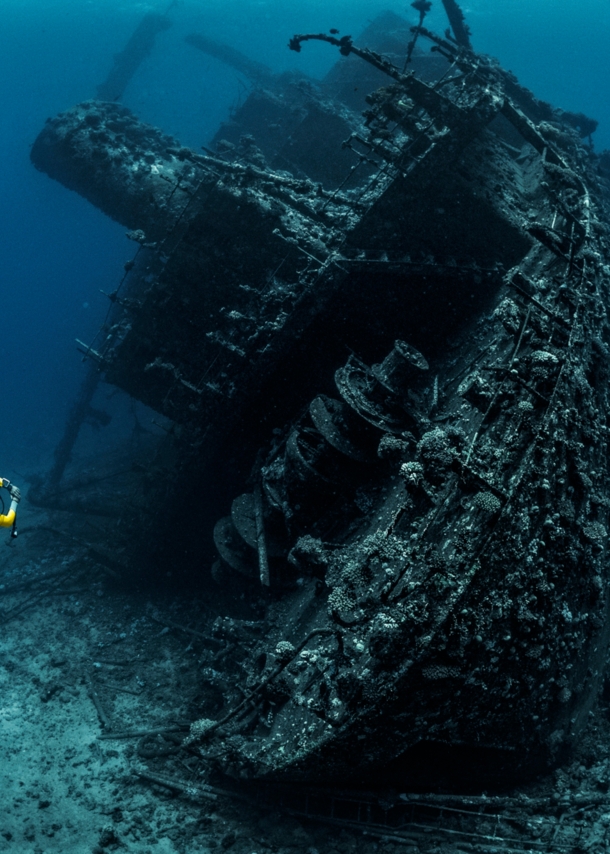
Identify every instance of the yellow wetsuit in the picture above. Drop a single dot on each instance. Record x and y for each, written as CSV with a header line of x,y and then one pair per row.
x,y
8,520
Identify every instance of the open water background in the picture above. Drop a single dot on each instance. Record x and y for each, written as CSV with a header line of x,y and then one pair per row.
x,y
57,251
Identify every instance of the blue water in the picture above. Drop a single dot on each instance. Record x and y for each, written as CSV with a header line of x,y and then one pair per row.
x,y
57,251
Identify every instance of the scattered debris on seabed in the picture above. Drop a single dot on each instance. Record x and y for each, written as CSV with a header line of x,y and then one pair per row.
x,y
99,684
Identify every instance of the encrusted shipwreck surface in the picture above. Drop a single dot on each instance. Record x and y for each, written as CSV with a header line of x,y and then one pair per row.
x,y
431,517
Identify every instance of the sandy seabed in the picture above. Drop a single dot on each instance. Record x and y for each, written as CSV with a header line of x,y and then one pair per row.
x,y
84,658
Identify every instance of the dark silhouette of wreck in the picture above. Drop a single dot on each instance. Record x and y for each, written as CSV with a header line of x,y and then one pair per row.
x,y
387,335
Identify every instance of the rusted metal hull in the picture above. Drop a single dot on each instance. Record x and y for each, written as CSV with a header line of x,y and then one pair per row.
x,y
432,515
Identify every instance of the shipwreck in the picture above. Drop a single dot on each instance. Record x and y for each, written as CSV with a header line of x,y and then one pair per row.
x,y
376,313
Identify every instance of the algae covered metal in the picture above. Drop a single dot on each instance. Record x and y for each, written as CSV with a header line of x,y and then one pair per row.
x,y
400,384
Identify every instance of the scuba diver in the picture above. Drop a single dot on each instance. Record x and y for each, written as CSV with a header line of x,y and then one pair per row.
x,y
9,520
